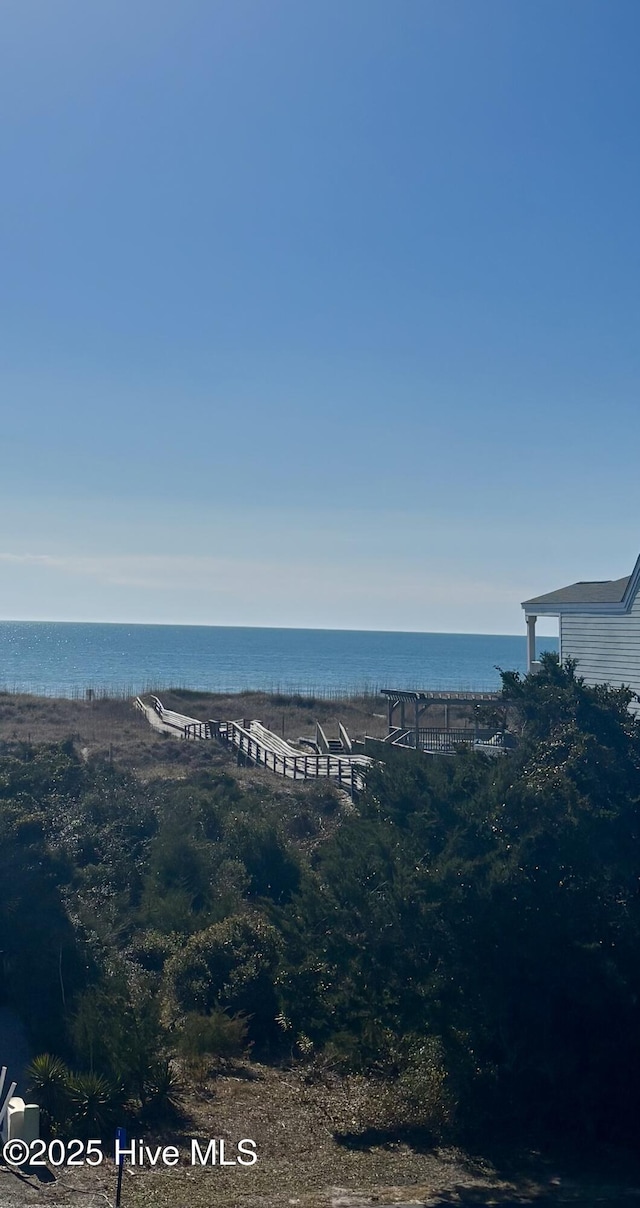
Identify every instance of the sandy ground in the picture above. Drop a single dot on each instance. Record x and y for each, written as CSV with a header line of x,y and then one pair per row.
x,y
295,1124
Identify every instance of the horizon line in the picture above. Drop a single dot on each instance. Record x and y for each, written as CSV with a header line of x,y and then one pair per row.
x,y
278,628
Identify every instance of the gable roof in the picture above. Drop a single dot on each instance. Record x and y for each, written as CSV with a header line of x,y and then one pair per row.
x,y
604,591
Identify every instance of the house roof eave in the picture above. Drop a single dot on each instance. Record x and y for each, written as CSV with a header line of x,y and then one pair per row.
x,y
533,609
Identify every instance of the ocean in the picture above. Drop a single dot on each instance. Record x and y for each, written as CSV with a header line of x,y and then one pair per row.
x,y
65,658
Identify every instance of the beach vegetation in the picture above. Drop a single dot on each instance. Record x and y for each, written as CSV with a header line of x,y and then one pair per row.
x,y
462,943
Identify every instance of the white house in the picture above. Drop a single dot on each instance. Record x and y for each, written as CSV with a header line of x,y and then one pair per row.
x,y
599,626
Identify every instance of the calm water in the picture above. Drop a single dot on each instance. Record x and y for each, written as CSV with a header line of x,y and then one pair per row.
x,y
65,658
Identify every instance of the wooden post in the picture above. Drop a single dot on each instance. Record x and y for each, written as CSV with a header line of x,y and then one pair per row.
x,y
531,643
417,725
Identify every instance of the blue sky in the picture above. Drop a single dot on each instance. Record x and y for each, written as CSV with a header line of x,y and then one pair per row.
x,y
317,313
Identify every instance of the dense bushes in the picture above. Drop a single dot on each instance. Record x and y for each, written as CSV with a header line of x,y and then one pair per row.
x,y
466,941
494,908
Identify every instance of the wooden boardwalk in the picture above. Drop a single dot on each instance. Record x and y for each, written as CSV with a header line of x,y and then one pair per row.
x,y
169,722
254,744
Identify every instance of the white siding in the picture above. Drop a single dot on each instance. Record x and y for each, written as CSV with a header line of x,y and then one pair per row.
x,y
607,648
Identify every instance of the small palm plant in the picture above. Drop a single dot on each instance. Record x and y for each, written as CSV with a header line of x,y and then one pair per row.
x,y
163,1092
94,1104
49,1080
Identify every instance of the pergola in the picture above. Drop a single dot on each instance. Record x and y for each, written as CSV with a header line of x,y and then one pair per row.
x,y
421,701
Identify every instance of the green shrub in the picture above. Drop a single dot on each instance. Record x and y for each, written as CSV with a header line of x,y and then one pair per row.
x,y
151,949
214,1035
118,1033
420,1097
230,965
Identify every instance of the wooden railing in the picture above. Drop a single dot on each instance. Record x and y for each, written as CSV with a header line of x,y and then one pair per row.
x,y
344,738
399,735
436,739
321,739
253,743
278,757
197,729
